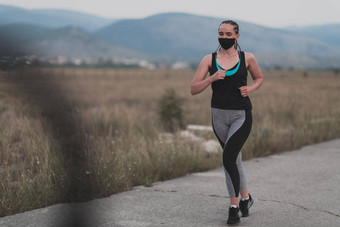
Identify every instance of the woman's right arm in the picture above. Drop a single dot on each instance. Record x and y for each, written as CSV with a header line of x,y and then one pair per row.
x,y
200,82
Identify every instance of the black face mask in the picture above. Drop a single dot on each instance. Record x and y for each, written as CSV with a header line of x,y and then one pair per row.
x,y
226,43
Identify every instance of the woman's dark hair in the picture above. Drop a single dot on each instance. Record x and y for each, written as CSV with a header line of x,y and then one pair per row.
x,y
236,29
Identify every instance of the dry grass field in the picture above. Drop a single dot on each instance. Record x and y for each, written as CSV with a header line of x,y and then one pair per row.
x,y
73,134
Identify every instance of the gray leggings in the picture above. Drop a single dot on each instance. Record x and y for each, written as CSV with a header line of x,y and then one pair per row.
x,y
232,128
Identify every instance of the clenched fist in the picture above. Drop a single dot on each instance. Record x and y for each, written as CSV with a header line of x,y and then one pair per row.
x,y
218,75
245,91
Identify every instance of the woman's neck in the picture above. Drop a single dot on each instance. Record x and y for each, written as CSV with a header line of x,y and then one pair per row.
x,y
228,53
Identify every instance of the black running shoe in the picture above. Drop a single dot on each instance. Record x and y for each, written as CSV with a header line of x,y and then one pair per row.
x,y
234,216
245,205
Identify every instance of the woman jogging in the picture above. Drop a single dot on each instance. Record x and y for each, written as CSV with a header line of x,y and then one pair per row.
x,y
230,108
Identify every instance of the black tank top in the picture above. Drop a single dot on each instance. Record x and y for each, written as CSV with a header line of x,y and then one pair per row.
x,y
226,93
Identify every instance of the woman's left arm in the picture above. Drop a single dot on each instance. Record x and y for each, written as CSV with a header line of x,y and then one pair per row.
x,y
255,72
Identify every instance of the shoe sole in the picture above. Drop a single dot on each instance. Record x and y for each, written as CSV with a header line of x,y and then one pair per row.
x,y
233,222
249,205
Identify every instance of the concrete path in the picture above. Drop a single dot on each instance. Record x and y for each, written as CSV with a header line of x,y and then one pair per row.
x,y
297,188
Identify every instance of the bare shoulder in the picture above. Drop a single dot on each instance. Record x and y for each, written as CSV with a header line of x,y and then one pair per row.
x,y
249,58
203,68
207,58
205,62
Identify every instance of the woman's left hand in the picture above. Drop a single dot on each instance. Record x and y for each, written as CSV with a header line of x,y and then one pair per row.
x,y
245,91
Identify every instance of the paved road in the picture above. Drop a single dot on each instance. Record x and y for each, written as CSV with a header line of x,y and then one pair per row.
x,y
296,188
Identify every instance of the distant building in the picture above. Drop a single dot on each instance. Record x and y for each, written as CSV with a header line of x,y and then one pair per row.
x,y
180,65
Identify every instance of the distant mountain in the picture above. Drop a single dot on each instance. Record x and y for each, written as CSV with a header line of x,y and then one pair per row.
x,y
188,36
328,33
162,38
71,41
51,18
176,34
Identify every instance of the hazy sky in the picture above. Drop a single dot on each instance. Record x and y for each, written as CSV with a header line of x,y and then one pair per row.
x,y
264,12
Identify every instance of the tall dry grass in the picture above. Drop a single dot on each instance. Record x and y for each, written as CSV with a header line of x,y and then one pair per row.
x,y
77,134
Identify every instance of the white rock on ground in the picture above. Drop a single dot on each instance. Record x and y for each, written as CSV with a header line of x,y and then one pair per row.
x,y
200,127
211,146
191,136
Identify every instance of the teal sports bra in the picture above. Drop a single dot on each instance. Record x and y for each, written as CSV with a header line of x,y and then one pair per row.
x,y
229,72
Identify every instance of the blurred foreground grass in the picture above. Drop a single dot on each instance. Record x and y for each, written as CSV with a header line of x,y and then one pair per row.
x,y
71,134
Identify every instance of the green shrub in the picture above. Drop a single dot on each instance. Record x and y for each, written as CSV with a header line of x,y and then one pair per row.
x,y
170,111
